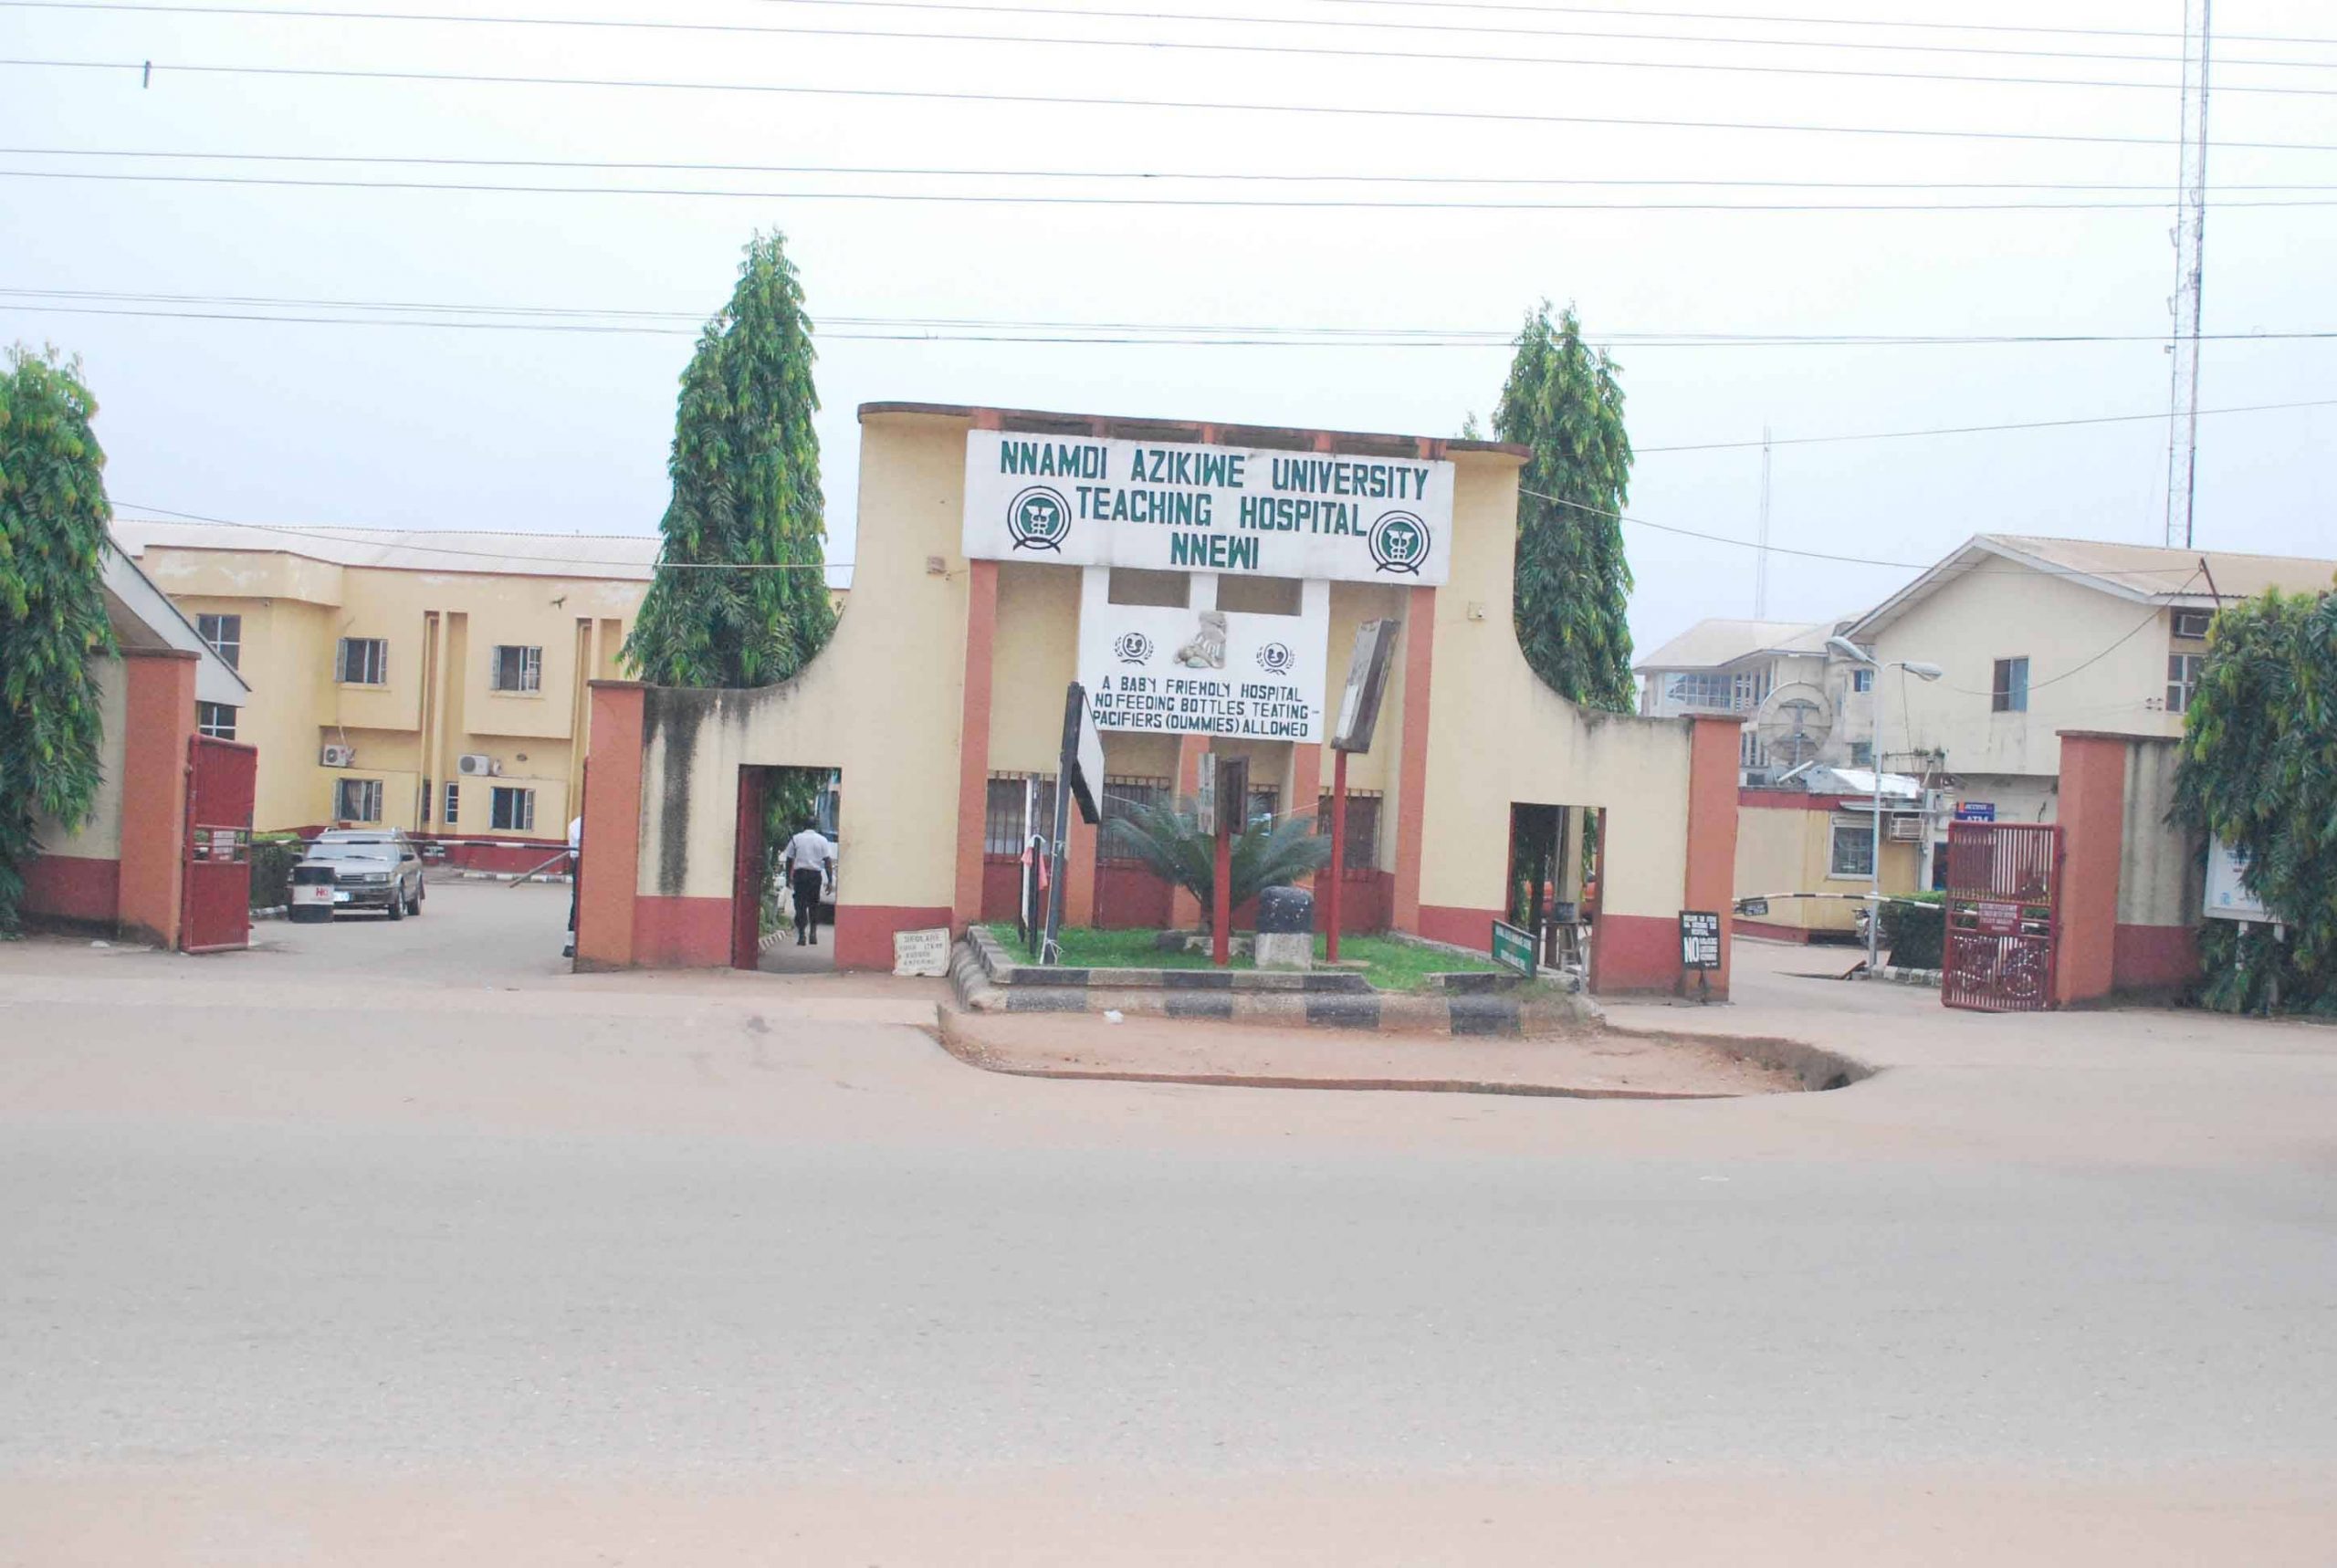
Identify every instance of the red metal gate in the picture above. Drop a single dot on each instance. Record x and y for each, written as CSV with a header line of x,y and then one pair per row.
x,y
216,906
2004,889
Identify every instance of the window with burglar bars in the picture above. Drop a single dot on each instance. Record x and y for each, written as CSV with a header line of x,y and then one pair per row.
x,y
2183,671
454,798
519,669
357,800
513,811
225,636
1363,827
1266,804
1121,793
1004,831
363,662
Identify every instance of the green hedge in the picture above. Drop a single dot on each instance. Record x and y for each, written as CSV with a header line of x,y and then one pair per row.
x,y
273,859
1915,932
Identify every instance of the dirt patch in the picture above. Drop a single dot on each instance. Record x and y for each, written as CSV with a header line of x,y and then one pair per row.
x,y
1590,1065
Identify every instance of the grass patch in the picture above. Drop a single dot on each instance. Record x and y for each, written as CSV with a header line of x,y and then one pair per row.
x,y
1390,964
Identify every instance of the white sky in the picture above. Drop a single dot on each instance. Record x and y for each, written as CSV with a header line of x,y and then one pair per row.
x,y
415,426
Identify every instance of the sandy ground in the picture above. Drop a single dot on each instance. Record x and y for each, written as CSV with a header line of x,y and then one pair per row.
x,y
398,1244
1589,1065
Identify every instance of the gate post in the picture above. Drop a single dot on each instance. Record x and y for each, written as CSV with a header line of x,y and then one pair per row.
x,y
158,723
2094,834
612,846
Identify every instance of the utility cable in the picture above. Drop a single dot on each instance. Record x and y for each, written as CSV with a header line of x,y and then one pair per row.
x,y
147,69
405,542
1197,45
1977,429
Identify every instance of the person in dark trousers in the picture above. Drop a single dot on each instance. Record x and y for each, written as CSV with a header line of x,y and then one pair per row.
x,y
575,879
810,863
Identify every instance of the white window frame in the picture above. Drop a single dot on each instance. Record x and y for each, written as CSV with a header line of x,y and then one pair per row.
x,y
1862,839
222,634
2183,671
365,793
454,795
2013,695
1863,679
529,671
378,662
507,805
207,720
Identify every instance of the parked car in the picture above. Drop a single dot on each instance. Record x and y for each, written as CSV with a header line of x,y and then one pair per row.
x,y
378,871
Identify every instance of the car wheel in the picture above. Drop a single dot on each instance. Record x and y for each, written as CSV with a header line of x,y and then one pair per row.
x,y
415,907
397,906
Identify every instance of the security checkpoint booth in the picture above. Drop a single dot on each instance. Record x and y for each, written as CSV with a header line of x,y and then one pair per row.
x,y
1204,584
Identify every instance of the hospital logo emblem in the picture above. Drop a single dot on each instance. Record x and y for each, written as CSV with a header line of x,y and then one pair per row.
x,y
1274,659
1132,648
1398,542
1039,519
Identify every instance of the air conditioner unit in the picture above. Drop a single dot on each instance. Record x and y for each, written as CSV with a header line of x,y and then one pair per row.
x,y
1905,830
477,765
338,757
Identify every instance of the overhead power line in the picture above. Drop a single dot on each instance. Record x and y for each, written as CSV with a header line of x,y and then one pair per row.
x,y
1739,17
146,70
683,323
409,539
1140,176
1150,45
1978,429
2162,203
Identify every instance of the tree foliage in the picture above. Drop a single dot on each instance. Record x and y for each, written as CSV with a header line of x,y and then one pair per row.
x,y
53,514
1266,853
2259,770
746,472
1562,400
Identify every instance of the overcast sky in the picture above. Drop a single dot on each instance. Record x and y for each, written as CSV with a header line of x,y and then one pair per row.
x,y
425,426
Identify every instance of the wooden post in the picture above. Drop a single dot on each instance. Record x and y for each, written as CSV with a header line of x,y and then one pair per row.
x,y
1338,853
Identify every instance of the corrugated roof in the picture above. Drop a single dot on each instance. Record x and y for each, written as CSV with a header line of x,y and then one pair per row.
x,y
626,557
1710,644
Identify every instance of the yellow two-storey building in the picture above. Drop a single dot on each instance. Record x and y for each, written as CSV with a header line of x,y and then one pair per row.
x,y
430,681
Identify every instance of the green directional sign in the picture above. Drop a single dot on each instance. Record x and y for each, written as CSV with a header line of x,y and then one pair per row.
x,y
1513,948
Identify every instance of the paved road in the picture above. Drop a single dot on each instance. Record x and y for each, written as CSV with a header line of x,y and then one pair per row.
x,y
420,1250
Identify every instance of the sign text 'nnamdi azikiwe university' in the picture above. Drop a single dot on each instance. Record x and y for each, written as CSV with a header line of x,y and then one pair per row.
x,y
1167,506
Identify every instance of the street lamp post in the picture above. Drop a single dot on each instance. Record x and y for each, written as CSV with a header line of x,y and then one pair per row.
x,y
1921,672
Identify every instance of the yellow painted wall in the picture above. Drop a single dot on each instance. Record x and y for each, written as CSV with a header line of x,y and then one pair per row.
x,y
1498,735
99,836
295,612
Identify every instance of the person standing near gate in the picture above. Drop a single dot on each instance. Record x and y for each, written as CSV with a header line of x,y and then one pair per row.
x,y
810,864
575,879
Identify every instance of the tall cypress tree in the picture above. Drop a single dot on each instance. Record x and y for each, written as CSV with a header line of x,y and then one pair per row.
x,y
746,472
53,514
1562,400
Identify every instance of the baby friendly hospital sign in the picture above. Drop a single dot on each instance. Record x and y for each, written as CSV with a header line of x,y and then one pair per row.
x,y
1088,501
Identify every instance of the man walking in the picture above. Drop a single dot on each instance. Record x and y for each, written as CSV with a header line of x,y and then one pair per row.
x,y
811,862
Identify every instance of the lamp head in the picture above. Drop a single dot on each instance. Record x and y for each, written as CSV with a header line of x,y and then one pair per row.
x,y
1921,670
1849,650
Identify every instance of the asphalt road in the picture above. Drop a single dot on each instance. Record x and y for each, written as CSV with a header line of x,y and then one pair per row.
x,y
308,1245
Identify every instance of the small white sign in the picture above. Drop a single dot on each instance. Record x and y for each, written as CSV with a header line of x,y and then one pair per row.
x,y
1176,507
921,952
2227,895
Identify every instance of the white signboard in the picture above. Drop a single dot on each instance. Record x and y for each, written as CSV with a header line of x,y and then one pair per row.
x,y
2228,896
1091,501
921,952
1204,672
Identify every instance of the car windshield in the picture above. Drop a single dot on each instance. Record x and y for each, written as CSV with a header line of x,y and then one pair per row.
x,y
349,852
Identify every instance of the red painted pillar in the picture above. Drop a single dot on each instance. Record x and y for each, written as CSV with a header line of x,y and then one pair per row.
x,y
158,723
1713,748
2093,836
612,846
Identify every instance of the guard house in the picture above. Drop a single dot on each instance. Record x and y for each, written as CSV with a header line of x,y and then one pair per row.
x,y
1204,583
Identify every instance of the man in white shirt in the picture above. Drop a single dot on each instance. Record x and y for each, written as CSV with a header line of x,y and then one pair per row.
x,y
575,879
811,862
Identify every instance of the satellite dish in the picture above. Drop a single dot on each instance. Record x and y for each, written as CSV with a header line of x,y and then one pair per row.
x,y
1793,724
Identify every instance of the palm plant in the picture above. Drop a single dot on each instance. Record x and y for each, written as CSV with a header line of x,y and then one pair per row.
x,y
1266,853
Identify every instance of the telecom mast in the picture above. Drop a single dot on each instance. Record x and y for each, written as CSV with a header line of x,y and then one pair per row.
x,y
2190,268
